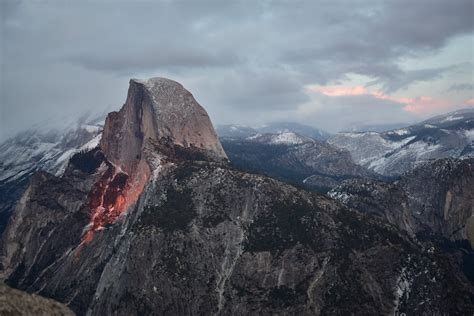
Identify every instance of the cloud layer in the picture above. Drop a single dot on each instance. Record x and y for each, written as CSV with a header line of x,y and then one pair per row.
x,y
246,63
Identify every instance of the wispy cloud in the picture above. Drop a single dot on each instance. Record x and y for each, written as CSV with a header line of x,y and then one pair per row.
x,y
421,105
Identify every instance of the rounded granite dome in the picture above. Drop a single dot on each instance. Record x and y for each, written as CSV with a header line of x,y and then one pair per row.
x,y
158,108
158,83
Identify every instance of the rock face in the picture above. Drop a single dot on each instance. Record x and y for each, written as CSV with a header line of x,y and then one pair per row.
x,y
434,203
14,302
296,159
199,237
436,197
394,152
157,108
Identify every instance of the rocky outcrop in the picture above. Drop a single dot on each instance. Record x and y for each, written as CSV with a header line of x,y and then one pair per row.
x,y
437,198
196,236
434,203
442,195
157,108
14,302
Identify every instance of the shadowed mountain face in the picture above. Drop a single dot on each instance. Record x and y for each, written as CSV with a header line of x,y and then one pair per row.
x,y
395,152
434,198
434,202
33,150
295,159
156,221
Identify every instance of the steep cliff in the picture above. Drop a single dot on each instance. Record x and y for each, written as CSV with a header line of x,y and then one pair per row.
x,y
157,108
434,203
437,197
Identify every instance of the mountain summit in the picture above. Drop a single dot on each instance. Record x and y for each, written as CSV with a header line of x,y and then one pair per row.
x,y
157,108
159,115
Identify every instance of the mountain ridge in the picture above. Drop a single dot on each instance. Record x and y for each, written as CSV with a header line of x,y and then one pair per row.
x,y
393,152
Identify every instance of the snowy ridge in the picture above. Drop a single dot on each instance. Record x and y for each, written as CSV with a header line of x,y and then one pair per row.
x,y
242,131
289,138
285,138
394,152
452,118
49,151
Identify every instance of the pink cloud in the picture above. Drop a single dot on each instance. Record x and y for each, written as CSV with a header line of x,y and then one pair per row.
x,y
422,105
469,102
425,105
334,91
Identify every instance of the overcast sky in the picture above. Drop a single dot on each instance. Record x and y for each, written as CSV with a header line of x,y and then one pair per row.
x,y
329,64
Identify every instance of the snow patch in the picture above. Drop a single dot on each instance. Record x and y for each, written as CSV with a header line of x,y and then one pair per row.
x,y
402,131
342,197
469,133
452,118
93,129
288,138
93,143
402,288
254,136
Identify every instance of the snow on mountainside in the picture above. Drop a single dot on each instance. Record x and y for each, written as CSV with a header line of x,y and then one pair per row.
x,y
242,132
284,138
394,152
39,149
235,131
304,130
32,150
295,159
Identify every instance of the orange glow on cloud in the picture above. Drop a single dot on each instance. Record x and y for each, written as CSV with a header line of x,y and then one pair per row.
x,y
334,91
421,105
424,105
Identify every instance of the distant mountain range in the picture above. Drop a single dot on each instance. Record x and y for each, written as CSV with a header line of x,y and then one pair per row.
x,y
240,131
298,153
375,127
394,152
294,158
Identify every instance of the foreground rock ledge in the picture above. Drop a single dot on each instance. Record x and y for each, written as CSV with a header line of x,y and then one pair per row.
x,y
17,303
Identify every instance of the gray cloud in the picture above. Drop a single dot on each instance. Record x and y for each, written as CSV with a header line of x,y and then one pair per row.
x,y
461,87
346,112
245,62
392,78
